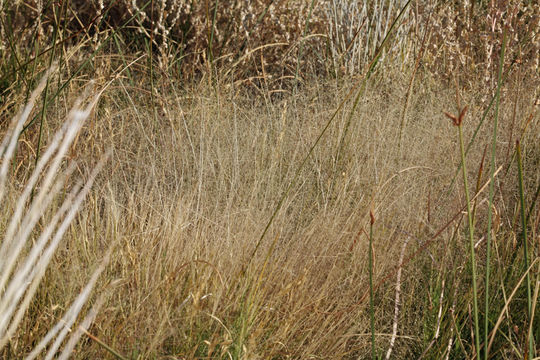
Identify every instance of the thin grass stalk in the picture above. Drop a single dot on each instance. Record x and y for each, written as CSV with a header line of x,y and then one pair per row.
x,y
459,123
491,193
411,83
9,143
471,239
151,65
76,306
45,93
238,54
123,57
71,315
533,311
371,302
26,279
67,134
360,92
105,346
211,40
63,326
34,65
83,327
533,202
251,305
525,245
32,269
456,217
483,118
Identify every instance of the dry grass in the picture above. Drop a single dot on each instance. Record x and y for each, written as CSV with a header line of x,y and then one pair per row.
x,y
188,197
277,40
204,150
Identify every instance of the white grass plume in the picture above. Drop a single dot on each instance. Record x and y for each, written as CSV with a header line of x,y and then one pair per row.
x,y
20,273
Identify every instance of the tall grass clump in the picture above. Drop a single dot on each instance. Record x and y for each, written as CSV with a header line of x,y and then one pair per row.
x,y
251,145
41,214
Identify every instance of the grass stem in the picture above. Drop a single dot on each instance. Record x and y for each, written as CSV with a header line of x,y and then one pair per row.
x,y
371,302
491,193
525,245
458,122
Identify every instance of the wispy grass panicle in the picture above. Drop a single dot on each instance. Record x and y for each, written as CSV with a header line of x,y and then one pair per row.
x,y
23,258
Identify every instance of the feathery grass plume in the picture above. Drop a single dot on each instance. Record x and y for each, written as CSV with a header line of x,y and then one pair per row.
x,y
22,270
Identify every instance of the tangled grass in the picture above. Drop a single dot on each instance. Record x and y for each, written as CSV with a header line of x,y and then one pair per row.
x,y
308,199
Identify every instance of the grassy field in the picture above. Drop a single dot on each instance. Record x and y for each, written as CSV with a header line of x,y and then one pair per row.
x,y
208,182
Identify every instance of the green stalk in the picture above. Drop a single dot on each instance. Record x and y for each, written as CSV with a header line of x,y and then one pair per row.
x,y
491,191
482,119
46,91
525,247
471,239
371,305
210,50
45,94
371,67
151,65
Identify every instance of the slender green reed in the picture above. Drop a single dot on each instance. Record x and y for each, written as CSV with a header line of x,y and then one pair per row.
x,y
211,39
151,66
358,89
371,69
458,121
525,245
491,191
371,302
46,90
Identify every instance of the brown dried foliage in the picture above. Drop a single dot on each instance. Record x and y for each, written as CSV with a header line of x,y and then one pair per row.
x,y
264,37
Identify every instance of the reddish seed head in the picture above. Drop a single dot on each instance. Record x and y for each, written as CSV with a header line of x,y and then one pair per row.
x,y
372,217
459,119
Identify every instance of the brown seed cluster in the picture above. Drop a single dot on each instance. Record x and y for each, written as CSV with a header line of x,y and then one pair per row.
x,y
457,120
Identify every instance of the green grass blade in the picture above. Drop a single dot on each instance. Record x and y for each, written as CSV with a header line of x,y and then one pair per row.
x,y
371,301
323,131
471,239
491,191
525,245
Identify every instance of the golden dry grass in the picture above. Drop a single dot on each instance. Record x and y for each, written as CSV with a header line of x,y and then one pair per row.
x,y
189,190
